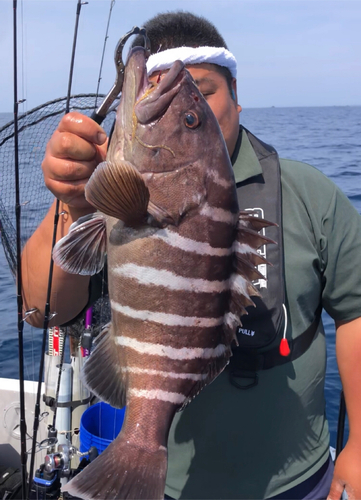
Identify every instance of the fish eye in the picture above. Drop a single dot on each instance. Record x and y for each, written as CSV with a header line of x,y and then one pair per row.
x,y
191,120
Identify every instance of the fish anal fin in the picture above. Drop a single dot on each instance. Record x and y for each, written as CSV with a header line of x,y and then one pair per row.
x,y
102,373
123,470
82,250
118,189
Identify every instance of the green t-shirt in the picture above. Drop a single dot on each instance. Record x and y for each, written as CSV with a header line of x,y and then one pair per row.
x,y
231,443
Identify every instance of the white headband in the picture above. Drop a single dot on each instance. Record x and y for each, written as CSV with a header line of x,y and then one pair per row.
x,y
191,55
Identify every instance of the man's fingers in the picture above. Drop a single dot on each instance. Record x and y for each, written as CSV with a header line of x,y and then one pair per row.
x,y
67,145
82,126
68,191
74,150
336,490
68,170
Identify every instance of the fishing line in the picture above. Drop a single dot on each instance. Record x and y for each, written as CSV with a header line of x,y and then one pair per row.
x,y
47,316
23,432
22,54
71,71
104,46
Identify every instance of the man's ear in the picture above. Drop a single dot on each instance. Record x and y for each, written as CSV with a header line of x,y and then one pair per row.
x,y
234,94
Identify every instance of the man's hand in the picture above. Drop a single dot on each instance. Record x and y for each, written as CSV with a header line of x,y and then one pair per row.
x,y
73,152
347,474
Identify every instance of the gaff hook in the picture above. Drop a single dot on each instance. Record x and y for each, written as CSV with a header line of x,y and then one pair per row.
x,y
101,112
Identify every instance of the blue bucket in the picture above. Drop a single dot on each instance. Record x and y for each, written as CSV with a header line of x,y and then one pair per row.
x,y
100,424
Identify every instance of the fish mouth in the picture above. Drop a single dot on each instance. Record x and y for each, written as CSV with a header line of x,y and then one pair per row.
x,y
136,80
151,100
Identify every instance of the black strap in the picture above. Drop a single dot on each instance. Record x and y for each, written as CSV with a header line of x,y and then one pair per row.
x,y
245,363
261,196
50,401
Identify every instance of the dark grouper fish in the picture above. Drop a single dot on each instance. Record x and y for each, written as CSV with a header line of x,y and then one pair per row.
x,y
180,259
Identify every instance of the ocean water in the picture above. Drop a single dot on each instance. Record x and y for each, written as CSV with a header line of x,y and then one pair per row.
x,y
326,137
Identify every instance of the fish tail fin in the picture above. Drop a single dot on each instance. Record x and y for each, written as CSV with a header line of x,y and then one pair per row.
x,y
122,471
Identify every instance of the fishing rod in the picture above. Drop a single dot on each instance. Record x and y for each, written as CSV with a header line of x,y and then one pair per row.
x,y
20,322
58,461
103,53
47,315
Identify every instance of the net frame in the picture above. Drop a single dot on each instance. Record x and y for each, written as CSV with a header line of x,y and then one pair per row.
x,y
35,129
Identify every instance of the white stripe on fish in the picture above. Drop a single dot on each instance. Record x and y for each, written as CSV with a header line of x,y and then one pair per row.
x,y
243,248
170,397
221,181
218,214
231,320
183,353
147,371
239,285
165,318
160,277
173,239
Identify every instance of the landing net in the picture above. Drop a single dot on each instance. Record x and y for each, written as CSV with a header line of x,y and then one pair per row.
x,y
35,129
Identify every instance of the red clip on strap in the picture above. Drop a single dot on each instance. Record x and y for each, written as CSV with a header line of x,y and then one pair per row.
x,y
284,348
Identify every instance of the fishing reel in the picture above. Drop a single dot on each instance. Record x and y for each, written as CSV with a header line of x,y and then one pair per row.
x,y
45,485
47,481
60,460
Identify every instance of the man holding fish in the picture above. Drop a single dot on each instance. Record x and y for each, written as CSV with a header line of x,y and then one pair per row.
x,y
259,430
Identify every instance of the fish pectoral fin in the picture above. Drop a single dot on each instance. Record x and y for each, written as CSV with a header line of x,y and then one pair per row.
x,y
83,249
118,189
102,373
160,215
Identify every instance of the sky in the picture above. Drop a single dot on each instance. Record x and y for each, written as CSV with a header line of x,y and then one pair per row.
x,y
289,52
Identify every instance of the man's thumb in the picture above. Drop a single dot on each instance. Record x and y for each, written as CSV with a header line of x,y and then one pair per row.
x,y
336,489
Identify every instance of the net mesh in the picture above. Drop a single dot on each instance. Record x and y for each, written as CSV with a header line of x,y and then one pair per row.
x,y
35,129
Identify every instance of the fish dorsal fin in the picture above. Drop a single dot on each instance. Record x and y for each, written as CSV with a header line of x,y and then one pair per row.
x,y
83,249
248,240
246,267
246,257
256,223
118,189
247,230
